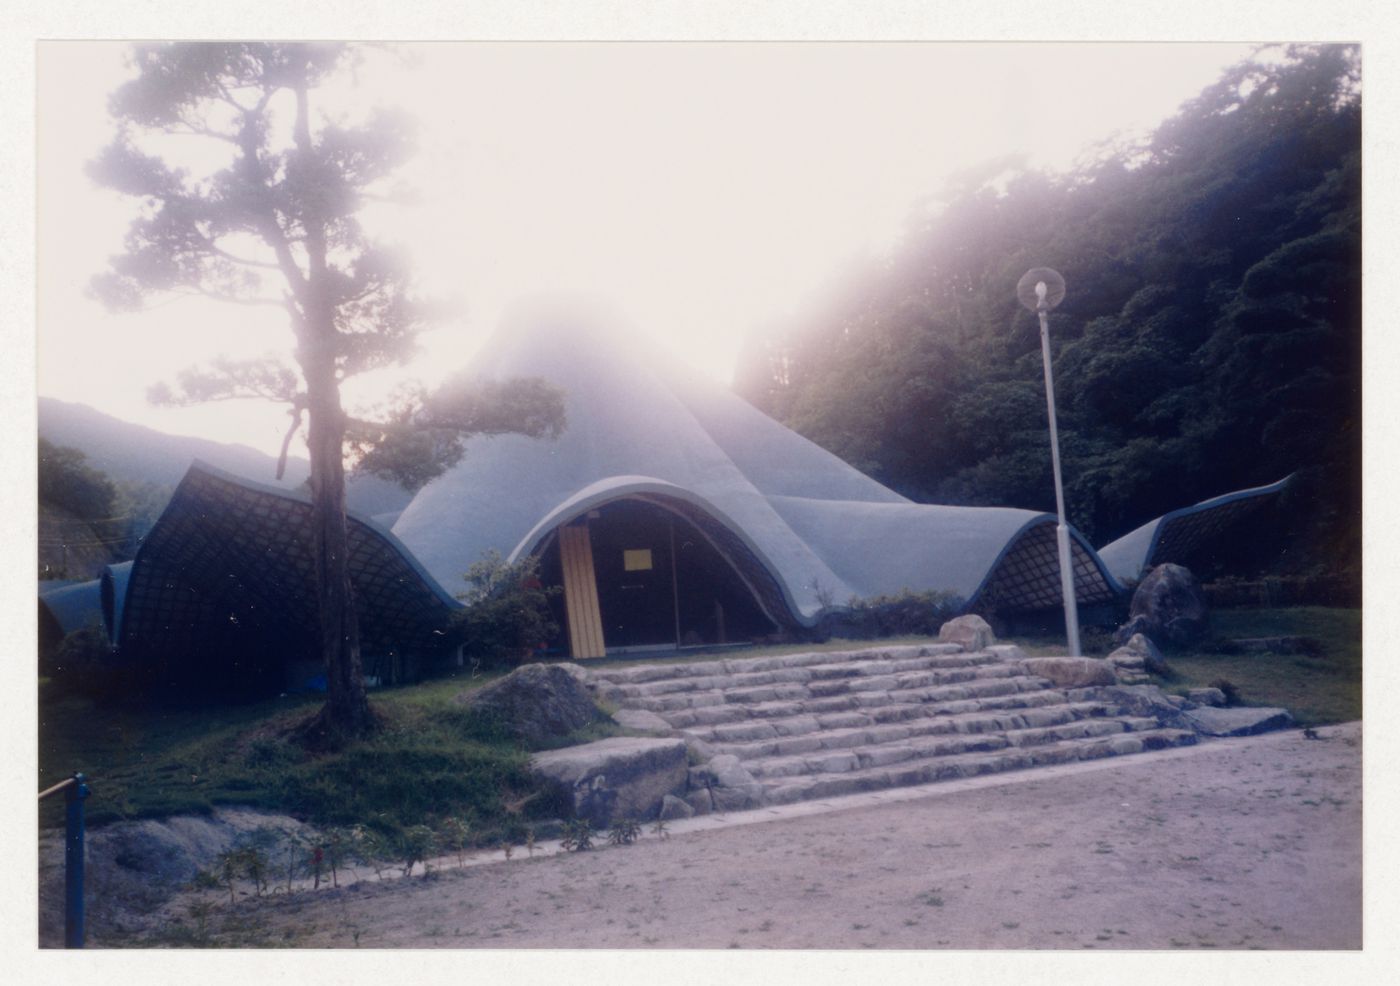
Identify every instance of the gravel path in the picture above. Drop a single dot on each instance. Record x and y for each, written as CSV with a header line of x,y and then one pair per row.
x,y
1235,844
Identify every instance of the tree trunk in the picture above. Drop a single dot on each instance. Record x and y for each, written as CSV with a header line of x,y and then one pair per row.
x,y
347,712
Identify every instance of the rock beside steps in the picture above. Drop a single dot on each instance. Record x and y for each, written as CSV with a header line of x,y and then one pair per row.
x,y
774,730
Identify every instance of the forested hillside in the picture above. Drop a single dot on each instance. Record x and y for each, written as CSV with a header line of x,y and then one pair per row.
x,y
85,520
1210,338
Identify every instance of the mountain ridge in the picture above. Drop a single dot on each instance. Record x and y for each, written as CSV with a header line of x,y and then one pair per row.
x,y
128,451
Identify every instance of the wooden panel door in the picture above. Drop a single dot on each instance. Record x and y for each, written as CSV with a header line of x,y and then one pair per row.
x,y
580,592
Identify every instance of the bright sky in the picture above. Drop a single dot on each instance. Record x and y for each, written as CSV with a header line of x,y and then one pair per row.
x,y
704,189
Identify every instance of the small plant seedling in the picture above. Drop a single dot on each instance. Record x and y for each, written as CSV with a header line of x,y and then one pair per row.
x,y
336,845
227,863
257,865
658,827
624,832
199,911
578,836
372,847
416,845
455,832
207,880
295,846
245,861
530,842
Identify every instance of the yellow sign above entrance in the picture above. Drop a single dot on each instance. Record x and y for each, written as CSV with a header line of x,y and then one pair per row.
x,y
636,560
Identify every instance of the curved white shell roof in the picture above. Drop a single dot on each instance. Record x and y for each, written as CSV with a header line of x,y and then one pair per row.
x,y
639,423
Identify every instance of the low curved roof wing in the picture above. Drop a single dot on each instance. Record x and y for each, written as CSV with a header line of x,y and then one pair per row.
x,y
230,551
1174,536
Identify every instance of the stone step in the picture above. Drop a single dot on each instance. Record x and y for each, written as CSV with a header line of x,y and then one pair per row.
x,y
783,789
951,654
883,751
944,668
897,716
833,693
820,724
878,706
806,734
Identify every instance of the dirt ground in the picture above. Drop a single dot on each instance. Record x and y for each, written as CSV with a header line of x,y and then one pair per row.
x,y
1235,844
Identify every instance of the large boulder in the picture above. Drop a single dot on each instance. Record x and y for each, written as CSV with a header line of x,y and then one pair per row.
x,y
1139,654
970,631
1206,696
617,778
1240,721
134,868
536,703
727,784
673,808
1168,607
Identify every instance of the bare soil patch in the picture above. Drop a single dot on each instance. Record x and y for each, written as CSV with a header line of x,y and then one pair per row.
x,y
1237,844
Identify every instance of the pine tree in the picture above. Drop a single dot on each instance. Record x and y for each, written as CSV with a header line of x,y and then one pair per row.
x,y
275,224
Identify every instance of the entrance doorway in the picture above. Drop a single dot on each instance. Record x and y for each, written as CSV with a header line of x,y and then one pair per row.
x,y
657,582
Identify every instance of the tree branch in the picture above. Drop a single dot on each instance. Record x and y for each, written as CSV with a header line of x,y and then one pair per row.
x,y
219,251
296,413
194,131
234,299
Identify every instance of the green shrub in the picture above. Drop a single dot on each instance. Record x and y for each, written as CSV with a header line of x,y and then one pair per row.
x,y
904,614
371,846
1096,641
81,663
507,618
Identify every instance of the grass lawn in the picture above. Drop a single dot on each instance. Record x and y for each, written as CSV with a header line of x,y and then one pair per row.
x,y
1317,689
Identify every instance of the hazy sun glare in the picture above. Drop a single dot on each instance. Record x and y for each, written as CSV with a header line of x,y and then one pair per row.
x,y
704,189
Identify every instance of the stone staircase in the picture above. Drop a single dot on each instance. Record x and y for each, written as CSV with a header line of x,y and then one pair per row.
x,y
774,730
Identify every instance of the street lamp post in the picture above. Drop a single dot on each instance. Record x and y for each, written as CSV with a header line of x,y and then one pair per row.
x,y
1041,289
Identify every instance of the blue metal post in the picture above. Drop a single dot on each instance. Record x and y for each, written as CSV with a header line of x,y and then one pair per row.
x,y
73,915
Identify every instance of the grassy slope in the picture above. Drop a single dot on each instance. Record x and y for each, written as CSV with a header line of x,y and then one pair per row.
x,y
432,760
